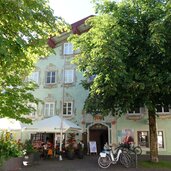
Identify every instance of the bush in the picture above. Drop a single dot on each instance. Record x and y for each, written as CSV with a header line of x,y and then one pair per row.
x,y
9,148
28,147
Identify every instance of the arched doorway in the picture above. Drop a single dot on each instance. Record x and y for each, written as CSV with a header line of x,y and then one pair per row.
x,y
99,133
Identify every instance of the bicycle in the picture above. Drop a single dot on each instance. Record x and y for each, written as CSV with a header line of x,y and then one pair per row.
x,y
132,148
108,157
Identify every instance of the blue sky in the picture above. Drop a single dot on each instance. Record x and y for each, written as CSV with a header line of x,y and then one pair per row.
x,y
72,10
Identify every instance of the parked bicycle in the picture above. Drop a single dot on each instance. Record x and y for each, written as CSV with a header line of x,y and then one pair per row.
x,y
108,157
132,148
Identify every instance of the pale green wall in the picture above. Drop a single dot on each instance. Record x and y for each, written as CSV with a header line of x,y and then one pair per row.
x,y
79,95
142,125
77,92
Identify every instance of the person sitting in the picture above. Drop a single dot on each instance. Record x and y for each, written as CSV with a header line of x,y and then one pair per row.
x,y
50,149
45,150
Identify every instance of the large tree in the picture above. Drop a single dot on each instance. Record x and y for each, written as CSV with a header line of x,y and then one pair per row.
x,y
25,27
128,50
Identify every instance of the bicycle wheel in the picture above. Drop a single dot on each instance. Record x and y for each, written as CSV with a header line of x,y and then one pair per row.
x,y
104,162
138,150
125,159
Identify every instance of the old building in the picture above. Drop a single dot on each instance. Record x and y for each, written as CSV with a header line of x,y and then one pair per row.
x,y
60,83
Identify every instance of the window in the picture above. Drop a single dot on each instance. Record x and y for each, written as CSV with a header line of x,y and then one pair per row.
x,y
49,109
38,137
160,139
68,48
51,77
134,111
34,77
67,108
69,76
162,109
34,109
143,138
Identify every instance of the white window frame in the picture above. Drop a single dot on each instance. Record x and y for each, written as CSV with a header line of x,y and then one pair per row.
x,y
163,112
49,109
160,138
134,112
34,77
68,48
50,77
34,113
69,76
143,135
69,111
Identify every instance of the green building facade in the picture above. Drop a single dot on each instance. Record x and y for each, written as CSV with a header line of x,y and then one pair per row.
x,y
59,83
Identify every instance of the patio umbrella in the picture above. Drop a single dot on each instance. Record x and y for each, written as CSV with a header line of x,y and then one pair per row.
x,y
52,125
10,124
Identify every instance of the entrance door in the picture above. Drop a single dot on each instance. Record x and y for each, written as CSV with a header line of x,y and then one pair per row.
x,y
98,133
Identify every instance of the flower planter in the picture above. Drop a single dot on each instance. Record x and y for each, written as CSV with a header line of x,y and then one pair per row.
x,y
36,157
31,159
12,164
80,154
28,159
70,155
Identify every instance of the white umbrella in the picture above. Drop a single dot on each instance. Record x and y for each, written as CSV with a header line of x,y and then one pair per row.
x,y
52,125
10,124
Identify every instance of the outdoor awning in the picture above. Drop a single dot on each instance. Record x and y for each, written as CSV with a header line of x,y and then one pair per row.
x,y
52,125
9,124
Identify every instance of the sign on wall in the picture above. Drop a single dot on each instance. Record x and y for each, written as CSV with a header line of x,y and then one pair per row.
x,y
123,133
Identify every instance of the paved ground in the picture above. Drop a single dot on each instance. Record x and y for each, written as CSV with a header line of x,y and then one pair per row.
x,y
89,163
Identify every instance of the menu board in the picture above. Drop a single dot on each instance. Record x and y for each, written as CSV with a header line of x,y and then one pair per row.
x,y
93,147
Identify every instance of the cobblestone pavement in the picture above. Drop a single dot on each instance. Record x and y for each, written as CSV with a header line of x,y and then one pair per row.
x,y
89,163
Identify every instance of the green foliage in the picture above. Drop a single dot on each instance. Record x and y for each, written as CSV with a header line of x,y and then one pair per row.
x,y
24,30
163,164
28,147
9,148
128,49
70,142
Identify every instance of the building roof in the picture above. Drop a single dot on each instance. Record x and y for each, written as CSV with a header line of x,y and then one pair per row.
x,y
78,27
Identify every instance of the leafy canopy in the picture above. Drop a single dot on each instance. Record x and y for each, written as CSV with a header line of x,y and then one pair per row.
x,y
128,50
25,27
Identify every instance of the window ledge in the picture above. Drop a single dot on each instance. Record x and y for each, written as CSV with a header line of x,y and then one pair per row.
x,y
164,116
68,116
50,85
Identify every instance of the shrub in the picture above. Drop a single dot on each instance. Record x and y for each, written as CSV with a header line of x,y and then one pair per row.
x,y
9,148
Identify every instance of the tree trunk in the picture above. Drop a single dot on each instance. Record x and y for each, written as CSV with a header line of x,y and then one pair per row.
x,y
153,137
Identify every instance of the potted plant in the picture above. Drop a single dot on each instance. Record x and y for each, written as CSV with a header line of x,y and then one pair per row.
x,y
30,153
70,146
11,153
80,150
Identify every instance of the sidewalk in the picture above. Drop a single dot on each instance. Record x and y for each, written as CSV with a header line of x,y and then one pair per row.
x,y
89,163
